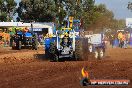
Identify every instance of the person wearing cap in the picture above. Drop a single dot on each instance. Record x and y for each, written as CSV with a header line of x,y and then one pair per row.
x,y
66,40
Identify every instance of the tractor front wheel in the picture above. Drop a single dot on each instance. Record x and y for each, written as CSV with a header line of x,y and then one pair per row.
x,y
53,53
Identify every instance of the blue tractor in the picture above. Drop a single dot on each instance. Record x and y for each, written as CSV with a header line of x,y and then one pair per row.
x,y
66,43
27,39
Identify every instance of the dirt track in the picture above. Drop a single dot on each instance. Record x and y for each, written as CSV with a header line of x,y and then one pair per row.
x,y
29,69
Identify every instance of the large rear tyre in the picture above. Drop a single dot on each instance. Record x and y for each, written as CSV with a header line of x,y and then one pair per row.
x,y
78,50
81,49
54,56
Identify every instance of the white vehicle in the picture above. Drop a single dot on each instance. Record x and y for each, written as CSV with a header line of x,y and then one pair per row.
x,y
96,45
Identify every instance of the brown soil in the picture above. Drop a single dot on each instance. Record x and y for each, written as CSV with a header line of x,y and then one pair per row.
x,y
29,69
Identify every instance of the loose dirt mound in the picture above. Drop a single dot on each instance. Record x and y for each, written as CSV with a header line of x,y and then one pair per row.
x,y
9,56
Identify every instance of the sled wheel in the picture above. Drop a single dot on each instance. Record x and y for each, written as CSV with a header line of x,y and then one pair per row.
x,y
96,54
90,48
101,53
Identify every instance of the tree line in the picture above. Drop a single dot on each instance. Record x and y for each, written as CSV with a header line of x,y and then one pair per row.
x,y
92,16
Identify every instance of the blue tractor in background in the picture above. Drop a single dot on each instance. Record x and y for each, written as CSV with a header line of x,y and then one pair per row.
x,y
27,39
67,43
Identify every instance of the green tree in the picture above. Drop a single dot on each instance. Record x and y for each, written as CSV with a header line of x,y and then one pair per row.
x,y
49,10
88,10
92,16
104,19
7,9
36,10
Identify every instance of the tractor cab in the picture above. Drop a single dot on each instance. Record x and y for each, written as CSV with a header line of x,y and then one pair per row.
x,y
63,44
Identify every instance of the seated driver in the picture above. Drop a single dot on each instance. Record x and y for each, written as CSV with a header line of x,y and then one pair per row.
x,y
66,40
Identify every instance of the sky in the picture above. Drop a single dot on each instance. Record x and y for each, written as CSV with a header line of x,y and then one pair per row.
x,y
118,7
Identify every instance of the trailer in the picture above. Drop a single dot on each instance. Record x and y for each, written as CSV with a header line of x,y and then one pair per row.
x,y
96,45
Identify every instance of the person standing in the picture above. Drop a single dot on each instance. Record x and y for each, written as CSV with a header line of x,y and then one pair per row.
x,y
111,40
11,37
120,36
4,38
124,38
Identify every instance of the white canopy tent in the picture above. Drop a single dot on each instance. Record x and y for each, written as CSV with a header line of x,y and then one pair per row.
x,y
49,26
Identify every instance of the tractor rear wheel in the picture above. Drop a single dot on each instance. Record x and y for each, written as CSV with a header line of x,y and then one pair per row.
x,y
53,52
81,49
78,50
